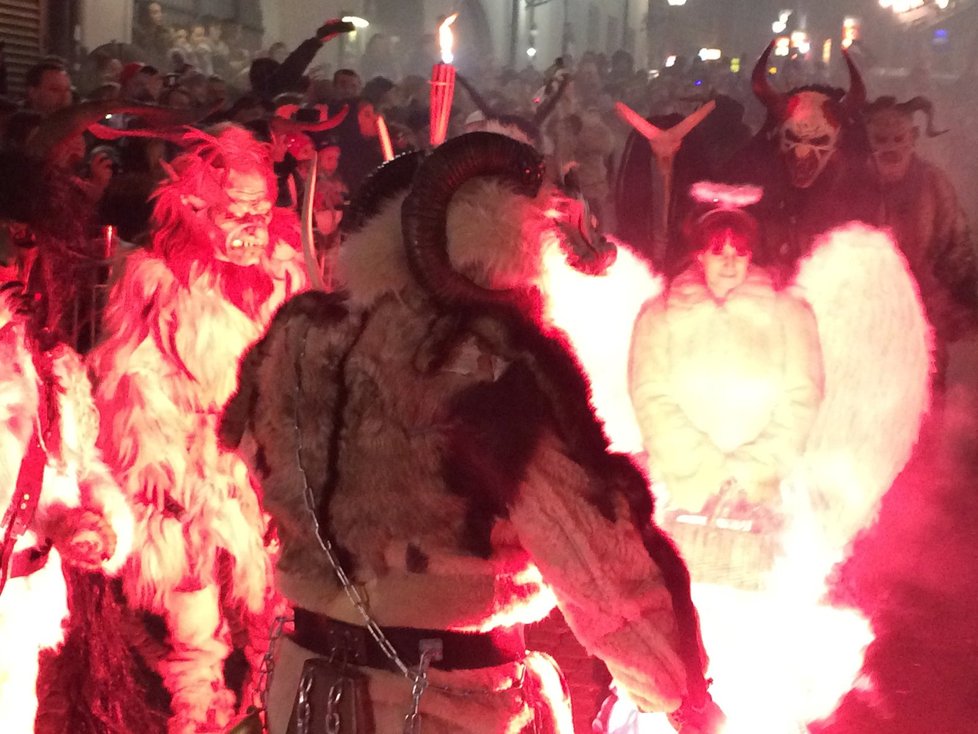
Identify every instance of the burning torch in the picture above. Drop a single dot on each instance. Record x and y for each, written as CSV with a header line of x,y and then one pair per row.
x,y
385,138
442,84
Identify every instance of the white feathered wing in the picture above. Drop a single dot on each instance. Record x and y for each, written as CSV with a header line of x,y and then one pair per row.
x,y
877,353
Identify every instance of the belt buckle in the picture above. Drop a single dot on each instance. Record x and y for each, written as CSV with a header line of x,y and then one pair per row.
x,y
431,649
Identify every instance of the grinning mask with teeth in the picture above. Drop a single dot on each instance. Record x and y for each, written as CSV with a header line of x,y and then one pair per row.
x,y
218,203
808,137
243,223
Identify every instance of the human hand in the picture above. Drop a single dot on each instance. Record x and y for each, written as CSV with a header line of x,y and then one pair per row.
x,y
102,168
705,719
156,482
332,28
84,539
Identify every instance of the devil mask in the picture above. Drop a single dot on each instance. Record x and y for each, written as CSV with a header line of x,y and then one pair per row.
x,y
809,120
893,134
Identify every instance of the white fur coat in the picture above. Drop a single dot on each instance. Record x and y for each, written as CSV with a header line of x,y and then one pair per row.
x,y
724,388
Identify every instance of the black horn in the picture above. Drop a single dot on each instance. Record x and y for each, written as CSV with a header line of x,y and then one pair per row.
x,y
772,99
424,214
855,98
385,182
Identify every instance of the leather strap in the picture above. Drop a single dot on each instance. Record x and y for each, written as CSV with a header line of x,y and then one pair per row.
x,y
23,505
459,650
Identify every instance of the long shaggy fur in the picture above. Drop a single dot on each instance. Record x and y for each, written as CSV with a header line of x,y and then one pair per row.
x,y
178,321
33,608
448,449
877,348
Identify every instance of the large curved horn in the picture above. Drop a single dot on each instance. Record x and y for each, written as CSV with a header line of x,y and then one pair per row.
x,y
66,123
424,214
855,98
773,99
383,183
922,104
283,126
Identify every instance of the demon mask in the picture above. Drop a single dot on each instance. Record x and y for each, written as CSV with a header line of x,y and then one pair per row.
x,y
221,190
809,120
243,217
893,135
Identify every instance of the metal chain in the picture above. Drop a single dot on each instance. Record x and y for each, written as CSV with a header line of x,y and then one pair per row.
x,y
303,717
352,592
333,719
429,653
267,667
419,675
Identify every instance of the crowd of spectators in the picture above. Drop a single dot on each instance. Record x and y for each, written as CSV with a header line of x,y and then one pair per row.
x,y
206,69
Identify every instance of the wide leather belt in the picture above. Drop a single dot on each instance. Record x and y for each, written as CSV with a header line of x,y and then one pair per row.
x,y
459,650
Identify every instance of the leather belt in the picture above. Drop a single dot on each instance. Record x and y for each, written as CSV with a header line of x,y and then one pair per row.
x,y
328,637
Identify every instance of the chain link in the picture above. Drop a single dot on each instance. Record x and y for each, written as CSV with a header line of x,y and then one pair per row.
x,y
267,667
303,717
419,675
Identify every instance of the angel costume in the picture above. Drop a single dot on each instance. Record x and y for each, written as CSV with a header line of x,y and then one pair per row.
x,y
811,400
724,388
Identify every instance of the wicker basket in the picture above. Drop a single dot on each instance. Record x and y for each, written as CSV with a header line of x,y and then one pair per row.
x,y
724,551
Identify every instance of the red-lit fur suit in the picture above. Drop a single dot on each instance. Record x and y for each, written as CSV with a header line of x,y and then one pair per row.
x,y
460,493
177,322
79,503
724,388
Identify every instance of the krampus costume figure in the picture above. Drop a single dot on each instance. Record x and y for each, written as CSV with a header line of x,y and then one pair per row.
x,y
918,202
222,260
61,507
430,439
805,158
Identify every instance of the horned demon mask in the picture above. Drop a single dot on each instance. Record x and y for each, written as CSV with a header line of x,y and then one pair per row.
x,y
810,120
893,135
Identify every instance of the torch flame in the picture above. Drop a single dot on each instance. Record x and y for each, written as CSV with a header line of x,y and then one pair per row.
x,y
446,39
385,138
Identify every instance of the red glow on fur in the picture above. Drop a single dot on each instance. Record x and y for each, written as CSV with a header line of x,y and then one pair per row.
x,y
186,237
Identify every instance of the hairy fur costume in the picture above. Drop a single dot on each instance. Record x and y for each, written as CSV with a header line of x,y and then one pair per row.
x,y
178,320
82,519
919,203
447,437
808,159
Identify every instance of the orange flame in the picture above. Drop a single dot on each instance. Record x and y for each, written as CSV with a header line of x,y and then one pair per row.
x,y
446,39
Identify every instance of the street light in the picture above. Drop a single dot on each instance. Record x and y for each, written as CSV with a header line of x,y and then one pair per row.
x,y
677,3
